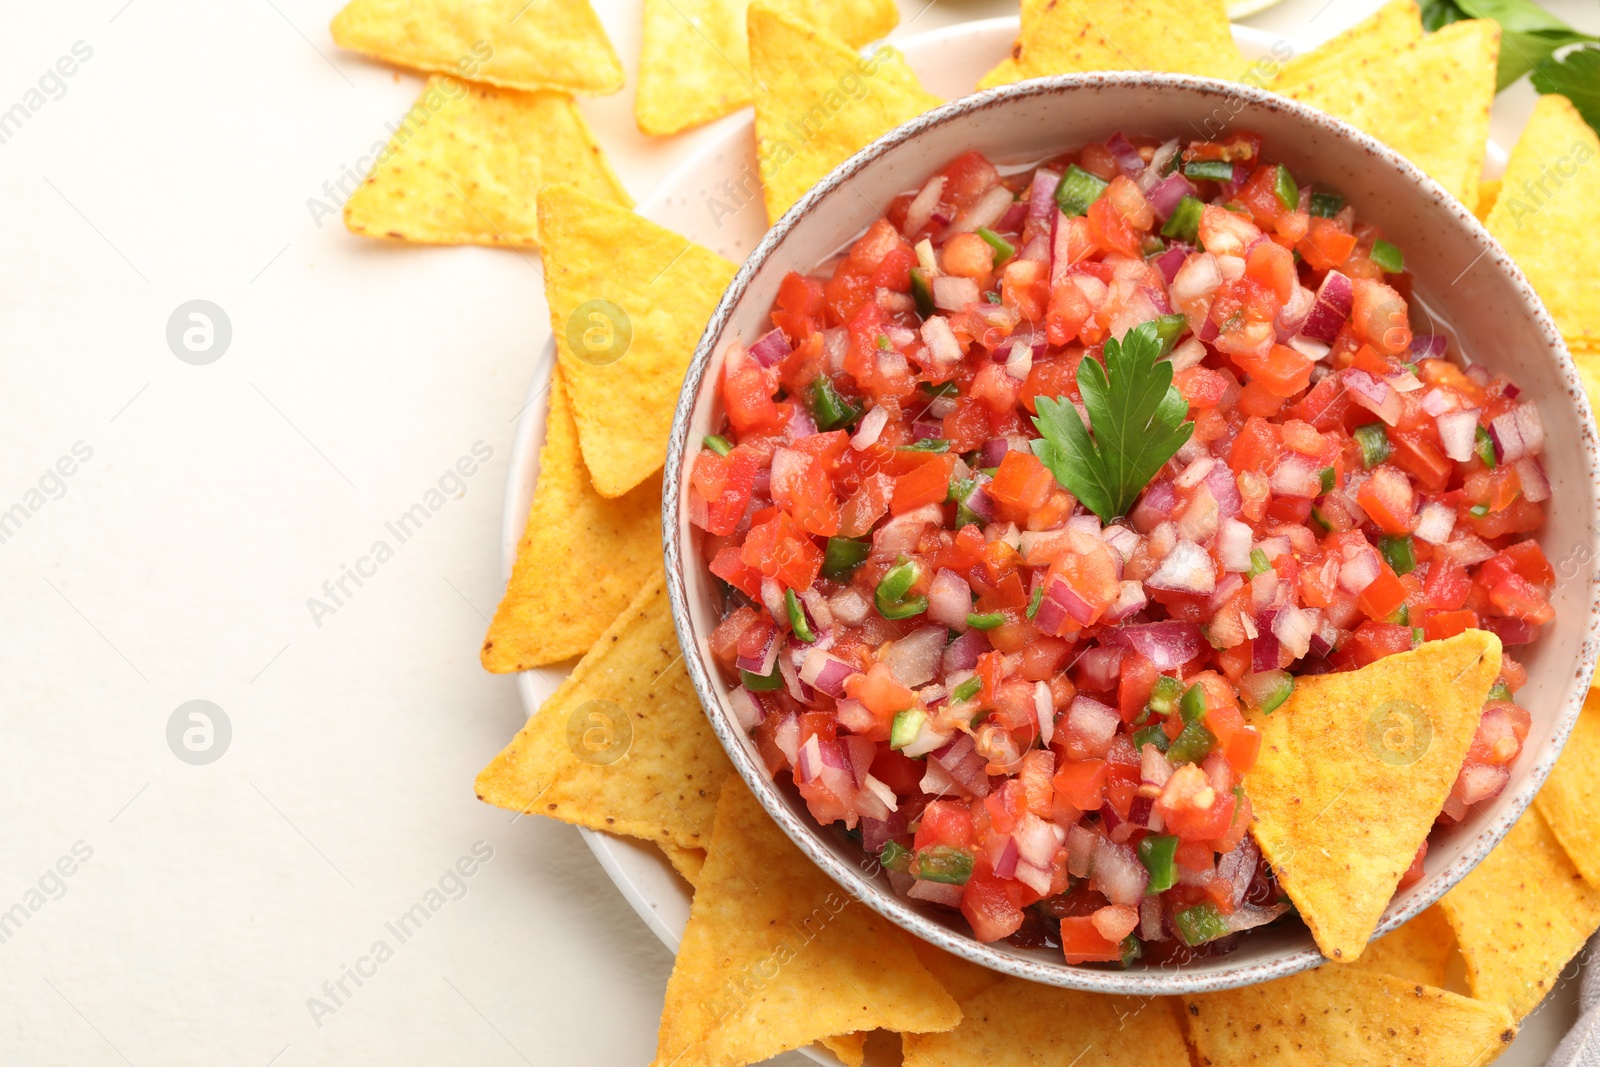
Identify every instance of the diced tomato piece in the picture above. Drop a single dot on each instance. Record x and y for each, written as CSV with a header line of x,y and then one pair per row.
x,y
729,565
1273,266
725,484
894,270
1325,245
926,484
1447,585
879,691
1389,500
1082,942
1243,748
1111,231
1201,386
899,772
747,393
1419,457
1282,371
944,822
1021,481
1415,872
1082,783
1136,679
1517,598
779,548
967,178
1374,640
1438,625
1384,596
804,490
992,905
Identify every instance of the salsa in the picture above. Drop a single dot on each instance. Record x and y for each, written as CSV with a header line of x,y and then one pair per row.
x,y
1014,662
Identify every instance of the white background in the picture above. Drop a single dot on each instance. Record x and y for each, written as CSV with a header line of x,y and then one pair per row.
x,y
177,563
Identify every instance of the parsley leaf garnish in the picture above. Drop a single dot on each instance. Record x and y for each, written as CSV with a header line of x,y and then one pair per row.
x,y
1138,419
1575,76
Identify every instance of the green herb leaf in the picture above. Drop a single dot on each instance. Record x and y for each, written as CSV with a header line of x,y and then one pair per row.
x,y
1575,76
1529,35
1138,418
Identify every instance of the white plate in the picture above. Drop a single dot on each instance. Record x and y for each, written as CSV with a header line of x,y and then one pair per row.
x,y
694,201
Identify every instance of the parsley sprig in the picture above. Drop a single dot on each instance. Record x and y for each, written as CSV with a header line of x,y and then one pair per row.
x,y
1138,418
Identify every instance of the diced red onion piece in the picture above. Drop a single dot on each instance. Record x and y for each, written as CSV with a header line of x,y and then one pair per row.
x,y
914,659
1293,626
1250,916
1479,782
763,663
949,600
1080,850
1359,571
1296,475
1233,545
770,348
1126,155
990,209
1335,297
1131,599
1042,196
953,293
1433,346
1154,767
1118,873
1169,261
1294,314
1100,667
935,892
827,672
1372,393
962,653
1091,725
1044,709
1535,486
746,710
1166,194
1196,280
1511,631
871,428
1187,569
1150,924
1517,433
920,211
1310,347
1264,651
1166,644
1435,522
1458,431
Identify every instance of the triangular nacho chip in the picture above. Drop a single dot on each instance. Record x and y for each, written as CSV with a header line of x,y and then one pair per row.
x,y
521,44
1019,1024
776,955
1418,952
1354,769
818,102
850,1048
961,979
466,163
694,60
1344,1015
1521,915
1429,101
623,744
581,559
686,861
1570,799
628,302
1074,36
1371,42
1548,214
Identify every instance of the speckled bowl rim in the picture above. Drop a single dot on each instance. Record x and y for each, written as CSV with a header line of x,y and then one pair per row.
x,y
807,836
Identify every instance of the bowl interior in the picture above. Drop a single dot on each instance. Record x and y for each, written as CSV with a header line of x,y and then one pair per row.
x,y
1462,276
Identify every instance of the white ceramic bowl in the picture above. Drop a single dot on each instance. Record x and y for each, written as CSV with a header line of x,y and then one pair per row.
x,y
1460,272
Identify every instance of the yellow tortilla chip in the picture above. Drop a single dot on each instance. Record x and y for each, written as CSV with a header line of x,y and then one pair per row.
x,y
1072,36
1344,1015
628,302
1016,1023
1521,915
1429,101
520,44
1418,952
1570,799
963,980
1354,769
686,861
1488,193
777,956
581,559
1548,214
694,61
818,102
1370,42
467,161
623,744
850,1048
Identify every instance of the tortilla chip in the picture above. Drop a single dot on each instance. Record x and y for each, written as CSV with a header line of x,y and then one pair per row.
x,y
1072,36
850,1048
1570,799
1345,1015
1016,1023
777,956
628,302
1354,769
1488,193
520,44
686,861
1429,101
467,162
1548,214
622,745
818,102
963,980
694,62
1418,952
1371,42
1521,916
581,559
